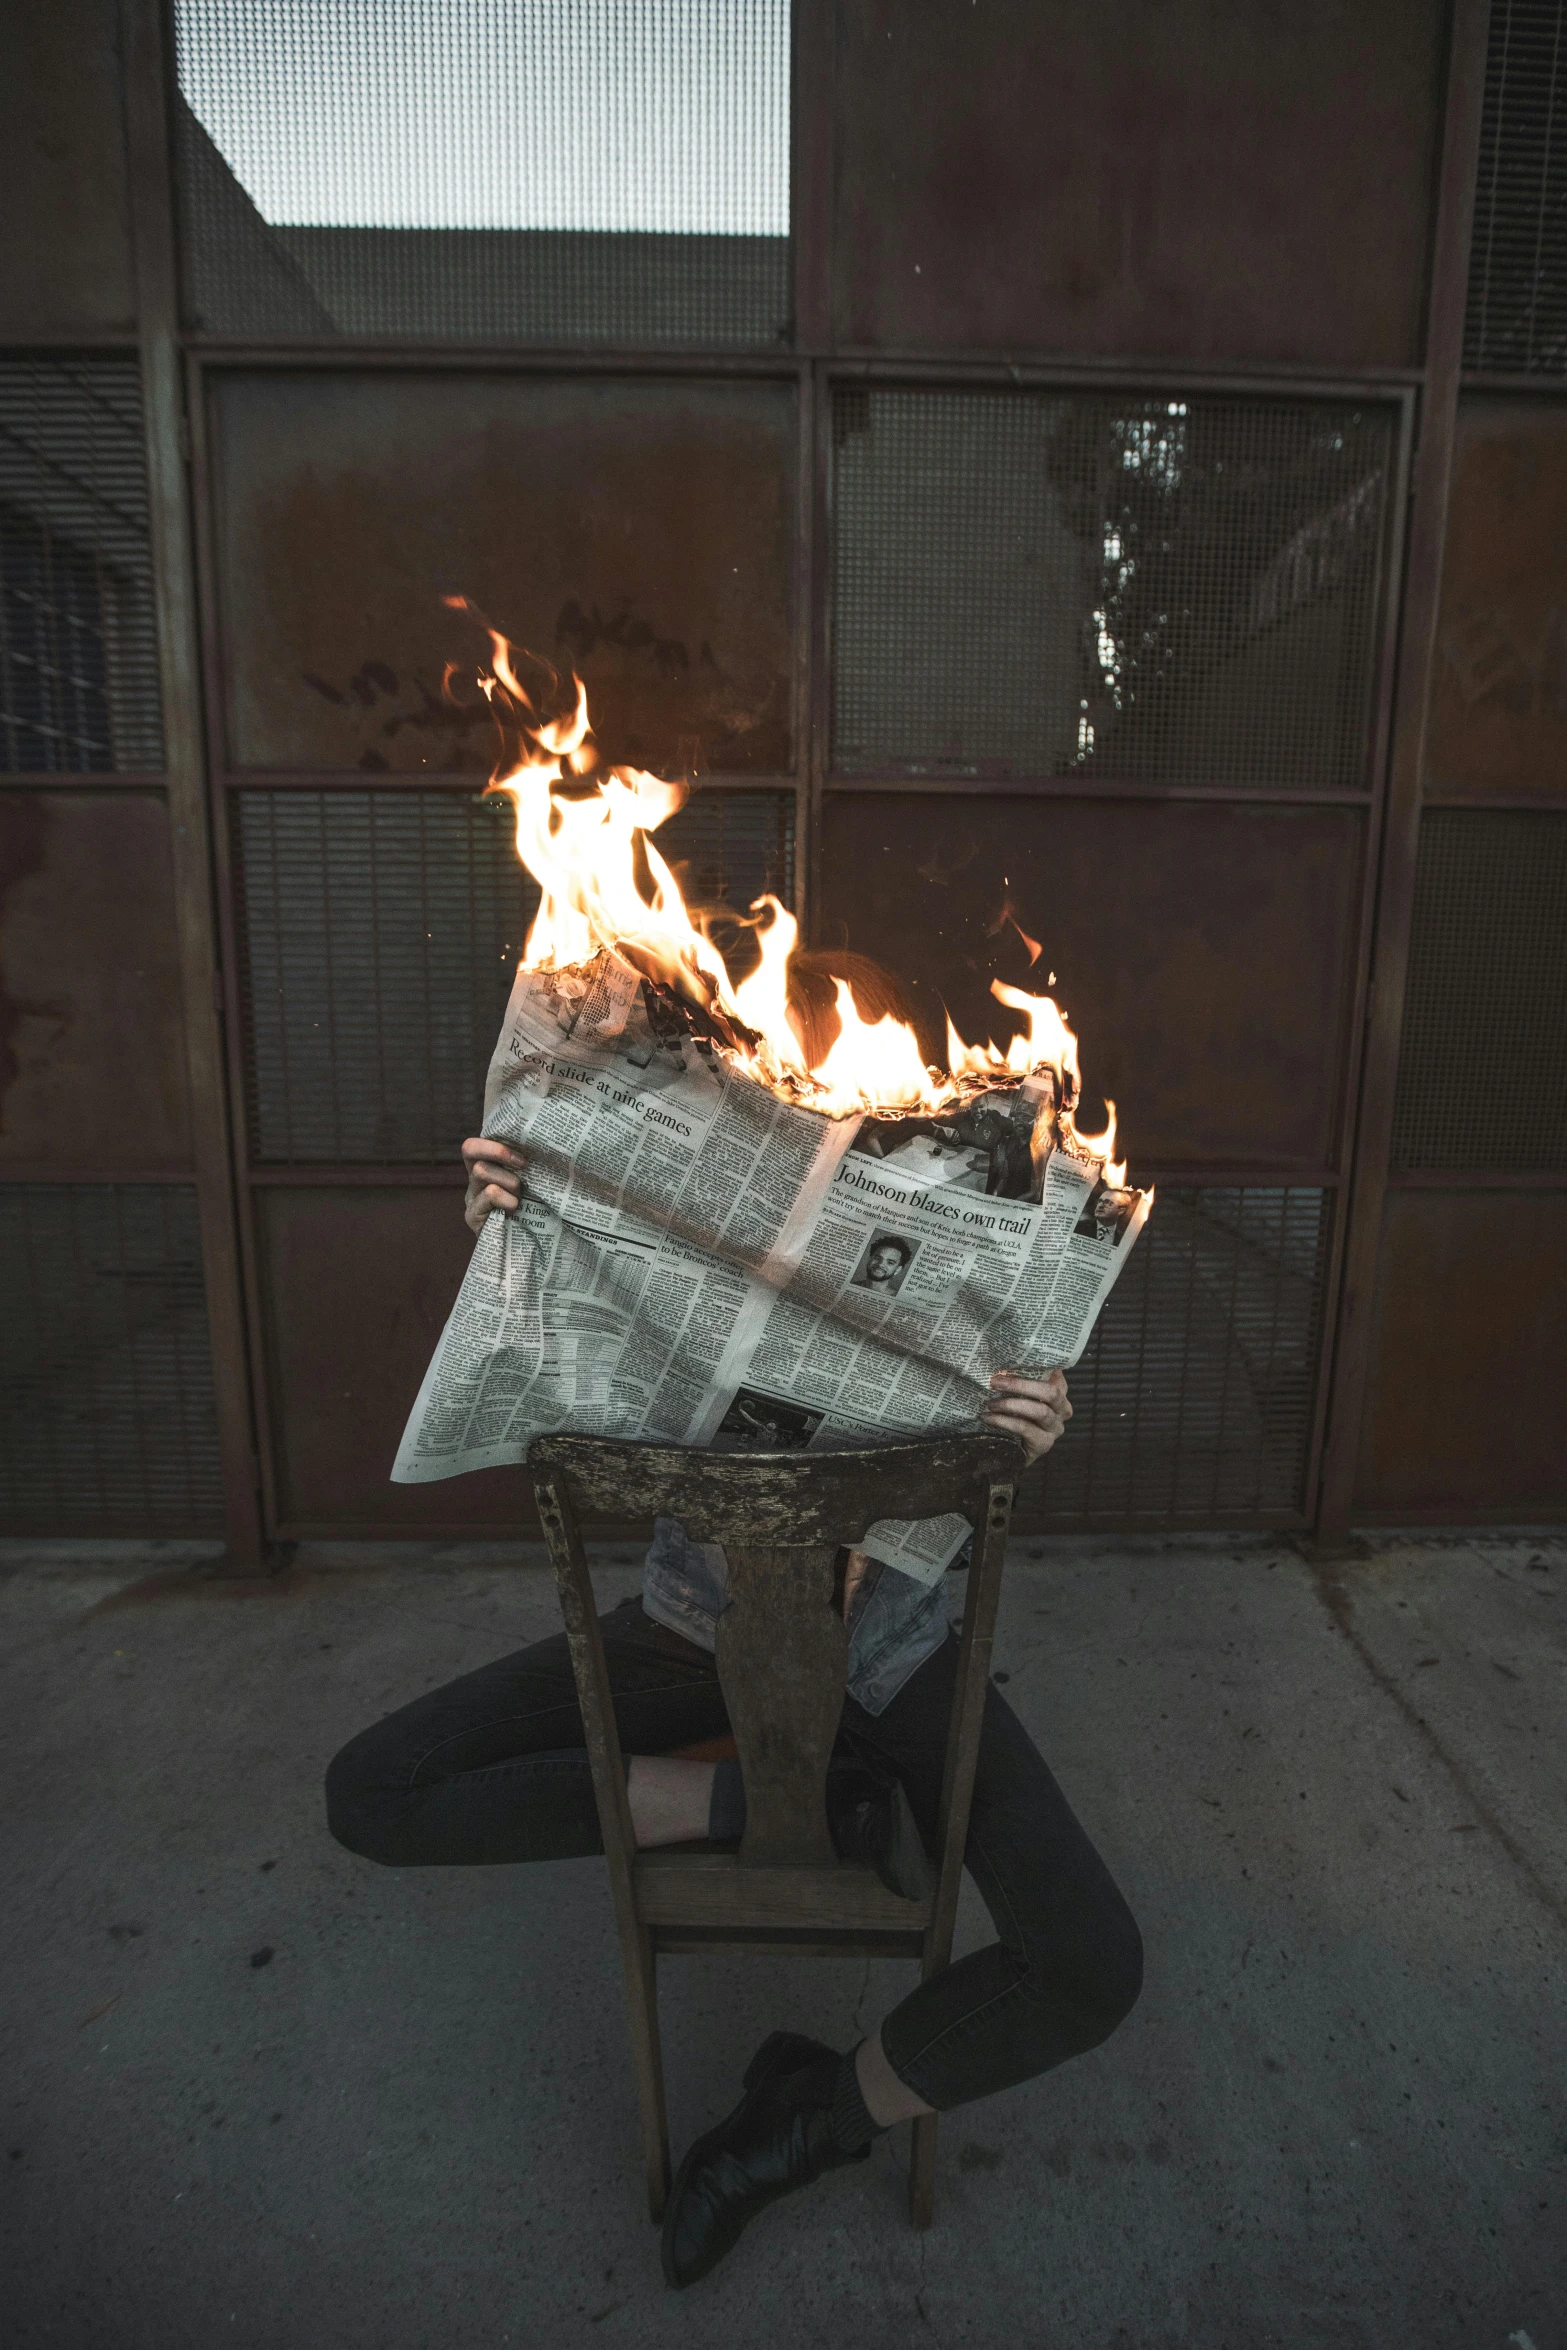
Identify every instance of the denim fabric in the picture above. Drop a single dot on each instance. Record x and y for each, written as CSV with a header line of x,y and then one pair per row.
x,y
493,1768
894,1624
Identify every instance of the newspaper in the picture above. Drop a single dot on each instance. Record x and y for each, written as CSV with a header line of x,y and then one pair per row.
x,y
695,1260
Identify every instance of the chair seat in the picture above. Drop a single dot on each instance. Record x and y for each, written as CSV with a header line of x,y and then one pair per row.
x,y
698,1886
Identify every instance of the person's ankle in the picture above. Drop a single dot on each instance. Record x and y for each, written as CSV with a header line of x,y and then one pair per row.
x,y
853,2123
726,1805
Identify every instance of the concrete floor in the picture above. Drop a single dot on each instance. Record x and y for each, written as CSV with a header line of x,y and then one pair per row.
x,y
259,2093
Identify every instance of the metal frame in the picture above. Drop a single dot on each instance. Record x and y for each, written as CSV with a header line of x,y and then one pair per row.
x,y
157,300
812,781
178,369
1395,888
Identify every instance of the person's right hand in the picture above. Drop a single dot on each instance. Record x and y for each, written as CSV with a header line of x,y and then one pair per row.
x,y
494,1179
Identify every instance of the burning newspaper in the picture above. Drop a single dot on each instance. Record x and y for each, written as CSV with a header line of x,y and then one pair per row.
x,y
722,1243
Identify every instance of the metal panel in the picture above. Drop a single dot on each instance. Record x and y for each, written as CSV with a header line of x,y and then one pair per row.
x,y
1203,952
1499,703
1193,1402
511,171
1468,1358
348,1348
1175,589
1517,316
106,1408
1393,903
78,643
65,255
169,448
1217,183
638,532
380,933
92,1039
1482,1072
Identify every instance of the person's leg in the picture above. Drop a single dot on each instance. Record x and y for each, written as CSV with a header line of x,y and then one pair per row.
x,y
1066,1969
492,1767
1067,1966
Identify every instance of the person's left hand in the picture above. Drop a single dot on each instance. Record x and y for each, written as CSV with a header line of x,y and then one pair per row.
x,y
1034,1410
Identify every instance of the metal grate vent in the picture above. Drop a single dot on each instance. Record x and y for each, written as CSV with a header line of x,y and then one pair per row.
x,y
1193,1401
78,645
546,171
381,929
1482,1072
106,1407
1174,591
1517,315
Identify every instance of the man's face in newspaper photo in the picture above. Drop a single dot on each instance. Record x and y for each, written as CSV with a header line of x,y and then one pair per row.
x,y
1107,1215
886,1265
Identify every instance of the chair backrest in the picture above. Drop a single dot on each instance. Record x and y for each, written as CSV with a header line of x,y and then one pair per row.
x,y
781,1644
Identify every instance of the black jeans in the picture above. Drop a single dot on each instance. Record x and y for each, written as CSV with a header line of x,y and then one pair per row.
x,y
492,1768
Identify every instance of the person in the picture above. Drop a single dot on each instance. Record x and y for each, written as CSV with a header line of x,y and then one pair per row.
x,y
886,1262
493,1769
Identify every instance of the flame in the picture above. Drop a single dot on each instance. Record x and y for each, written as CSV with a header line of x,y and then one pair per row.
x,y
605,888
1007,919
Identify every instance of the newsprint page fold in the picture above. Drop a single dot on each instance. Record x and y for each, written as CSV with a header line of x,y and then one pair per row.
x,y
695,1260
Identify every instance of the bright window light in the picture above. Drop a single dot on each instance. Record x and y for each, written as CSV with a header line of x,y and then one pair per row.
x,y
668,115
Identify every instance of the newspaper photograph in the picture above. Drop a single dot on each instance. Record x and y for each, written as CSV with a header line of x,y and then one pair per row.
x,y
696,1260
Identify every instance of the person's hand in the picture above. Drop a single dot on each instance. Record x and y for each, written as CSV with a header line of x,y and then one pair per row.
x,y
853,1577
494,1179
1034,1410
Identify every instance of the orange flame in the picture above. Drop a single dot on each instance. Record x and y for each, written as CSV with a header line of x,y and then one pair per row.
x,y
606,889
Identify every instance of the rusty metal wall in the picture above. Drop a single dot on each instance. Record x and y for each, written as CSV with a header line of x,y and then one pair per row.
x,y
1457,1263
65,257
1471,1269
1470,1288
637,532
108,1418
1181,182
1043,535
1499,700
1204,952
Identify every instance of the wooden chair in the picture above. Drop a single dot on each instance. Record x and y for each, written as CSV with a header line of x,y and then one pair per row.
x,y
781,1655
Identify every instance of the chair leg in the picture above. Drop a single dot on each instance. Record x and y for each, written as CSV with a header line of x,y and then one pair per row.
x,y
922,2171
641,1970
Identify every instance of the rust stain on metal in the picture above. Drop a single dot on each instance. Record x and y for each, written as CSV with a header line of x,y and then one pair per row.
x,y
91,1019
1499,697
1202,952
1005,185
638,532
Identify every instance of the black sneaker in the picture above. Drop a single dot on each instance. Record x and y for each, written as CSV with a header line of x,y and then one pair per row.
x,y
778,2137
870,1820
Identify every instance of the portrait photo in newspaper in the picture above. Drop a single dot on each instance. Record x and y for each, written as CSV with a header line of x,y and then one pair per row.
x,y
1106,1214
887,1257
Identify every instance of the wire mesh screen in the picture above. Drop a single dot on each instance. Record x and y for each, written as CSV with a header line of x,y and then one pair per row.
x,y
1482,1072
1193,1401
1517,314
556,171
1181,591
78,645
380,934
106,1404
